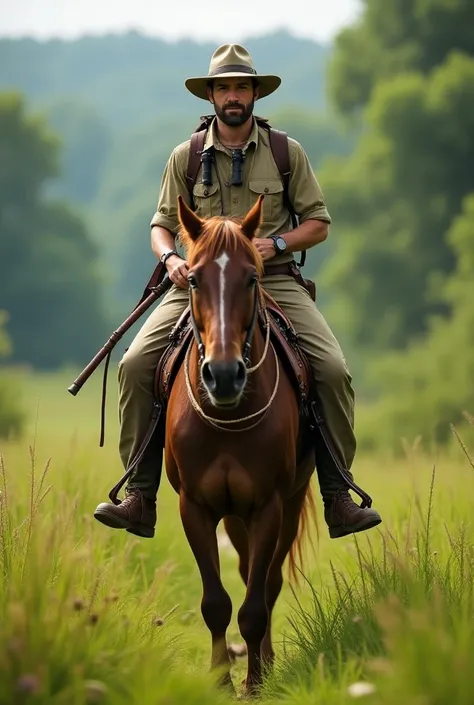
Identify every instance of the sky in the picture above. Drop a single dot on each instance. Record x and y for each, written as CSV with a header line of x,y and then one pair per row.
x,y
219,20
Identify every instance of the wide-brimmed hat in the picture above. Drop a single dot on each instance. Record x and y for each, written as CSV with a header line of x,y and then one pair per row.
x,y
232,61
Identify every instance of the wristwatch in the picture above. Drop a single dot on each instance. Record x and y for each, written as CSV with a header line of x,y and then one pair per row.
x,y
279,244
167,254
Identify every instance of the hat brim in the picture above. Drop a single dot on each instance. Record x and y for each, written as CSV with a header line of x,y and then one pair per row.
x,y
266,84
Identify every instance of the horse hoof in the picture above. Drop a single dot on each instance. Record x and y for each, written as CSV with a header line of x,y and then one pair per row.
x,y
249,691
225,685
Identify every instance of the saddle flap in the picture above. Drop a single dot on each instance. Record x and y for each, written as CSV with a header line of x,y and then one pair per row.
x,y
285,339
181,337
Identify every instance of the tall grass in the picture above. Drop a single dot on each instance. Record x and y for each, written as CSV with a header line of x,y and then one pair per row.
x,y
399,629
89,615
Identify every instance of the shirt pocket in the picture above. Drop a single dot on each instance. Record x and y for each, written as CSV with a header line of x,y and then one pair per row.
x,y
272,191
207,200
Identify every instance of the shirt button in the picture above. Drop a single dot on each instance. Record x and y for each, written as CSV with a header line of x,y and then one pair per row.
x,y
206,192
235,200
227,183
265,190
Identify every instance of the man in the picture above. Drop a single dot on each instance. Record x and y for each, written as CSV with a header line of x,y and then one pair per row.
x,y
232,85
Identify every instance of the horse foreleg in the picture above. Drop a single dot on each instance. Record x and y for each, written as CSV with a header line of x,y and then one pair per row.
x,y
288,533
263,529
216,605
237,533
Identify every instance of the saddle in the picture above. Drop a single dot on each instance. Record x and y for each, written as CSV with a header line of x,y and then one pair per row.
x,y
282,335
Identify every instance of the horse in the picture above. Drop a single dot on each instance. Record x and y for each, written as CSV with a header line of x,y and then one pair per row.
x,y
235,449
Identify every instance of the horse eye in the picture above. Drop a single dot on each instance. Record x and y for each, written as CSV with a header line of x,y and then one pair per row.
x,y
192,281
252,280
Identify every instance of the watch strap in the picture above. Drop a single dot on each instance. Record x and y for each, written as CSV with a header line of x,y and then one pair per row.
x,y
170,253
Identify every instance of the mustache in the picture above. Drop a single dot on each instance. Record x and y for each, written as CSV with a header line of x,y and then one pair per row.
x,y
230,106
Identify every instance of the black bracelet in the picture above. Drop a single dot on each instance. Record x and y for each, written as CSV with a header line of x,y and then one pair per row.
x,y
164,257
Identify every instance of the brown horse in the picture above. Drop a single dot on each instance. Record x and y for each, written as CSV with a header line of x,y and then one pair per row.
x,y
234,446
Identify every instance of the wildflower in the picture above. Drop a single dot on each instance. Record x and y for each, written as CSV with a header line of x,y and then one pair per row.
x,y
358,690
28,683
94,691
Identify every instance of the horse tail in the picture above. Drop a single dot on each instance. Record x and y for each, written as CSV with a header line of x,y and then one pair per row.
x,y
307,517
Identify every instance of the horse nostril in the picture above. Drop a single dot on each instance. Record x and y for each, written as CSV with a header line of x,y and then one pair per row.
x,y
207,376
240,376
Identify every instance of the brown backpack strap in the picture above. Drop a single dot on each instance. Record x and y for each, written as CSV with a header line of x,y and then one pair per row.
x,y
194,161
281,155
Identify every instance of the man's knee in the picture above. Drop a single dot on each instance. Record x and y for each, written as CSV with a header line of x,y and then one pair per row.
x,y
136,367
334,372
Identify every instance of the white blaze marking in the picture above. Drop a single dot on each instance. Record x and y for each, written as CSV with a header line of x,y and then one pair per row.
x,y
222,262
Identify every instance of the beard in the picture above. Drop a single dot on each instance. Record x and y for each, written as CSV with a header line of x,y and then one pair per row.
x,y
234,119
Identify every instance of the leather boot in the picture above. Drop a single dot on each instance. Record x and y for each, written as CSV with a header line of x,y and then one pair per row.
x,y
343,516
136,513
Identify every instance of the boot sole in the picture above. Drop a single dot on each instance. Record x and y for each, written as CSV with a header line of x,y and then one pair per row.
x,y
337,532
114,522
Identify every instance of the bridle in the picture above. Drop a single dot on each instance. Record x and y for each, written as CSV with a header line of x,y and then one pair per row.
x,y
250,330
219,423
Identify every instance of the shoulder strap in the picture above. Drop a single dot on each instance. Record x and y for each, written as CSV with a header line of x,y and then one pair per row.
x,y
194,161
195,148
281,155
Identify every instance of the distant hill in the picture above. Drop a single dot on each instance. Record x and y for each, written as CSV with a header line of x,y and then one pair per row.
x,y
130,78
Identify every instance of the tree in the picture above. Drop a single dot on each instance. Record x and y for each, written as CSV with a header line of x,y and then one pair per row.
x,y
394,37
394,199
48,278
11,415
429,386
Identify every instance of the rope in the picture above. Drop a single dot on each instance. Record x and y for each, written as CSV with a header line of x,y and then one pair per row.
x,y
217,423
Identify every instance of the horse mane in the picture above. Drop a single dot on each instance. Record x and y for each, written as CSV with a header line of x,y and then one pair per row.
x,y
220,234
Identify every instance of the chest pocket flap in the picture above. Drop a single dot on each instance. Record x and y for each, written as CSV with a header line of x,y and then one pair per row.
x,y
272,190
207,200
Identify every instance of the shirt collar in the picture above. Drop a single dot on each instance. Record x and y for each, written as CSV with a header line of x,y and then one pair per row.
x,y
213,139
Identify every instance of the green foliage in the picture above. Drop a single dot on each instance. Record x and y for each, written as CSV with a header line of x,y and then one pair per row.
x,y
85,147
394,37
427,387
48,278
394,200
11,414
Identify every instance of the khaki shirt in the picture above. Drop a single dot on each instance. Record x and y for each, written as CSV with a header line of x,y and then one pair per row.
x,y
260,175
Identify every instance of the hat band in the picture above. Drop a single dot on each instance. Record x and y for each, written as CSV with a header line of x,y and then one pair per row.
x,y
232,68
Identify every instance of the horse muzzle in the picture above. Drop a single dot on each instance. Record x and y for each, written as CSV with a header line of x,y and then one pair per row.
x,y
224,381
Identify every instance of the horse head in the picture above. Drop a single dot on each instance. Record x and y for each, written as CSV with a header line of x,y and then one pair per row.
x,y
224,271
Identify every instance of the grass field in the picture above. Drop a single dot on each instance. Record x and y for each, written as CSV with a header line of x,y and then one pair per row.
x,y
92,615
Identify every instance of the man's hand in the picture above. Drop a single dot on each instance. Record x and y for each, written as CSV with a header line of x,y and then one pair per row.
x,y
178,271
265,246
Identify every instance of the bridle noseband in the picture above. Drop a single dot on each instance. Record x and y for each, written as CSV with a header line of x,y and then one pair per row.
x,y
250,330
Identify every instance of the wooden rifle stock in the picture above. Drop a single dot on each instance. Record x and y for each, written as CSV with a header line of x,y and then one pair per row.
x,y
144,304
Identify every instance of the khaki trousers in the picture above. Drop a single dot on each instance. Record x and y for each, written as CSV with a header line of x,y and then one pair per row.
x,y
138,365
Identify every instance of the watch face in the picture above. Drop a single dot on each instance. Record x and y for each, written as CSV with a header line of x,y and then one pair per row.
x,y
281,243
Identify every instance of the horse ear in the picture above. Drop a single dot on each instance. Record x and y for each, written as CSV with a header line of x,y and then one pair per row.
x,y
252,220
189,220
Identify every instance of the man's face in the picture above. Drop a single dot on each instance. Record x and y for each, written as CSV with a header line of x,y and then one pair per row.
x,y
233,99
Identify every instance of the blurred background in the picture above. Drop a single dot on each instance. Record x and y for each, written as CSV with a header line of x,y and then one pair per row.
x,y
381,96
